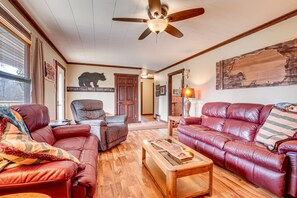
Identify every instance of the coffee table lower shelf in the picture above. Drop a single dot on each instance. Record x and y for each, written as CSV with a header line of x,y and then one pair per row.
x,y
188,186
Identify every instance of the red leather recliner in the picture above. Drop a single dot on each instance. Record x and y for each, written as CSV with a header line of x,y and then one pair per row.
x,y
226,133
61,179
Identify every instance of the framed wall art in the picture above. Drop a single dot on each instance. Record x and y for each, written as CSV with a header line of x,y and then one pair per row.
x,y
157,90
49,72
275,65
163,90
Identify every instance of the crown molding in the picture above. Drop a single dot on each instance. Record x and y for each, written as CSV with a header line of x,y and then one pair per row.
x,y
26,15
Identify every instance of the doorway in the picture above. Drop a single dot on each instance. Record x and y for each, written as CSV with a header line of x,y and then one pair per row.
x,y
60,82
175,85
126,96
147,96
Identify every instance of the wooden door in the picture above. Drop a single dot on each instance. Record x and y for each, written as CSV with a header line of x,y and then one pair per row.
x,y
126,96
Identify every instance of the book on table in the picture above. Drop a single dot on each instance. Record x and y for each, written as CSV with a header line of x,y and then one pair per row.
x,y
174,149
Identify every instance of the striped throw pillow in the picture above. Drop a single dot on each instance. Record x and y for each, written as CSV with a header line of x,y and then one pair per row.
x,y
280,125
16,148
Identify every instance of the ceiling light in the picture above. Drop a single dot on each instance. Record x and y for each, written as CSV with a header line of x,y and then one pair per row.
x,y
157,25
144,75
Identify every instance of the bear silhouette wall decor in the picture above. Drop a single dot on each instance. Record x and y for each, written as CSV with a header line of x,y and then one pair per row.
x,y
86,78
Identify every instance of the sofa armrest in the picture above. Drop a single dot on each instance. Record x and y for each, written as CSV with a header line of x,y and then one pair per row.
x,y
30,175
116,119
288,146
62,132
190,120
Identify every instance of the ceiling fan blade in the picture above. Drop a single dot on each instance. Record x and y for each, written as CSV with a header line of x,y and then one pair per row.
x,y
186,14
130,20
173,31
155,8
145,34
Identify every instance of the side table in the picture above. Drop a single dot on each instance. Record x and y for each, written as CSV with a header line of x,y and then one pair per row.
x,y
56,123
172,121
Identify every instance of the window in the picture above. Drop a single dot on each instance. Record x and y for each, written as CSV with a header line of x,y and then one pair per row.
x,y
14,71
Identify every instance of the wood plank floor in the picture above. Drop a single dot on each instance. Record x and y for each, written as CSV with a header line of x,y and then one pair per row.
x,y
121,174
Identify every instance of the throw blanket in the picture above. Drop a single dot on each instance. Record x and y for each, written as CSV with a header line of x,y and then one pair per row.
x,y
18,148
15,119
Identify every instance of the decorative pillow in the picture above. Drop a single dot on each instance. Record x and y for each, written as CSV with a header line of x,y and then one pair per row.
x,y
18,148
292,107
279,126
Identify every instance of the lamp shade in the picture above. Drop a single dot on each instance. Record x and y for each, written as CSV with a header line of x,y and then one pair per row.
x,y
188,92
157,25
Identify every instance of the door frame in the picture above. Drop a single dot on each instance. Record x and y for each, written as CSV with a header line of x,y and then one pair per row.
x,y
136,111
61,66
181,71
141,98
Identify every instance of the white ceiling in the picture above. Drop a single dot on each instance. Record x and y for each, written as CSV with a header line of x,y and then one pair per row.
x,y
83,30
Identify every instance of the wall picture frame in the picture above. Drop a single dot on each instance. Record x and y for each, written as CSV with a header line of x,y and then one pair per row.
x,y
176,92
49,72
157,90
163,90
267,67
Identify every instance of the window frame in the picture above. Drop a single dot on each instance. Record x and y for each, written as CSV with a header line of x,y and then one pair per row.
x,y
18,30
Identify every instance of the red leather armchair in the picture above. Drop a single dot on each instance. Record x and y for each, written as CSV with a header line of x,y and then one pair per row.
x,y
60,178
226,133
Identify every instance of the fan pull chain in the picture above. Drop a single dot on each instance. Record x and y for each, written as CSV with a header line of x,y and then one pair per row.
x,y
157,38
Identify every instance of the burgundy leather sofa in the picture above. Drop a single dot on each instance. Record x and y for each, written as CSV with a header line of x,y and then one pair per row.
x,y
226,132
61,179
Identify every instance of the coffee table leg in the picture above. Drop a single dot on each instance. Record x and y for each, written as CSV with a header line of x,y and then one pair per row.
x,y
171,184
210,180
143,154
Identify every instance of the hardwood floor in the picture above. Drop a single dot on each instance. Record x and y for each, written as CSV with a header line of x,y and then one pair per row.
x,y
121,174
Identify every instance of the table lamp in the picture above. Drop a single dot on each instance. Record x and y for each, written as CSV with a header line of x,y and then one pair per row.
x,y
188,93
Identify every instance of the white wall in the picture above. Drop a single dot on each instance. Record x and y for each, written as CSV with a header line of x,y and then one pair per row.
x,y
74,71
147,96
203,72
49,55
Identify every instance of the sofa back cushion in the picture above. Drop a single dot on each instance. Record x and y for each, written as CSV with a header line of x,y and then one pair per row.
x,y
265,113
87,110
215,109
245,112
36,118
212,122
245,130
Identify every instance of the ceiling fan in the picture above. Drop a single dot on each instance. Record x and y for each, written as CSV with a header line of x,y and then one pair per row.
x,y
159,19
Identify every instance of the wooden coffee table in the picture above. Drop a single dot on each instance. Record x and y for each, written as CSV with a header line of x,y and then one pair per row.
x,y
178,179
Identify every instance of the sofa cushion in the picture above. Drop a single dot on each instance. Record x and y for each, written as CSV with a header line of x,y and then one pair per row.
x,y
215,109
87,109
116,131
86,150
213,122
207,135
44,134
245,130
215,138
192,130
245,112
265,113
279,125
40,118
256,153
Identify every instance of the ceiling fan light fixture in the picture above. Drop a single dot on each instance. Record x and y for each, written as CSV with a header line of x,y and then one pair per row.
x,y
157,25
